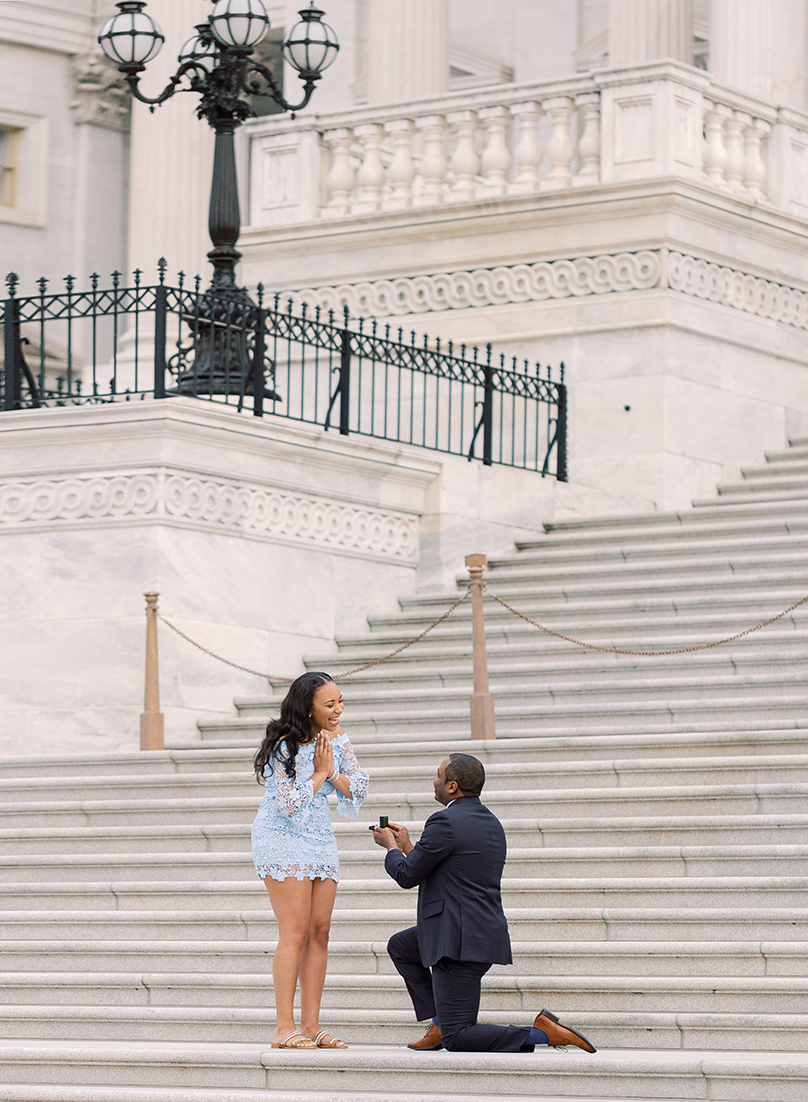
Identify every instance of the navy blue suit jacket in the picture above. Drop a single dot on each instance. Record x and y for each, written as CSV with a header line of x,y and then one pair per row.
x,y
457,863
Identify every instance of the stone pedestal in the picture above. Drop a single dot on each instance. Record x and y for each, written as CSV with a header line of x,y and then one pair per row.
x,y
649,30
759,47
409,49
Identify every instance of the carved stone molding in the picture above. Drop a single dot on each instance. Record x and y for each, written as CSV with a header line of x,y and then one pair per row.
x,y
214,503
738,289
558,279
100,94
596,275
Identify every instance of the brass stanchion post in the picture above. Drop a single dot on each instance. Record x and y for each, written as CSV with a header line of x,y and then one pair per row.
x,y
151,719
482,702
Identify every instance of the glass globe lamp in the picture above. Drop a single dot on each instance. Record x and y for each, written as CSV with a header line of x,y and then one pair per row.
x,y
311,45
200,50
132,37
239,22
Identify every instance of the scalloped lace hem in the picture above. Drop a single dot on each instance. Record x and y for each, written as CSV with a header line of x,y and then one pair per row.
x,y
327,872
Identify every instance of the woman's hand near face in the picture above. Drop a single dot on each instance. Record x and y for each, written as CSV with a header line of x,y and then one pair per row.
x,y
323,755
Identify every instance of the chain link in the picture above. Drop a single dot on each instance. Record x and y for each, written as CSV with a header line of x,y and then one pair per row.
x,y
646,653
340,676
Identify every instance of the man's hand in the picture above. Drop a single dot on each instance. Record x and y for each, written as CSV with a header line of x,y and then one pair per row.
x,y
384,837
393,836
401,836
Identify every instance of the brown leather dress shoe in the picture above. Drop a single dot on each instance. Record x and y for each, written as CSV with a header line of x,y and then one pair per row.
x,y
559,1034
430,1041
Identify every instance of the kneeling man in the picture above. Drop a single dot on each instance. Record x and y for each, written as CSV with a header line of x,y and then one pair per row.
x,y
461,929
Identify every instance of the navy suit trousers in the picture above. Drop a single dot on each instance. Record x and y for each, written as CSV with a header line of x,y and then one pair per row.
x,y
452,992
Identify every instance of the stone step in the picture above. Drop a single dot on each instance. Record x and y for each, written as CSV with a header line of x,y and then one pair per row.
x,y
352,836
690,587
631,743
16,1092
628,742
730,799
722,514
713,558
360,926
531,776
612,1074
564,861
392,1026
731,551
511,996
632,630
684,609
555,554
688,891
773,710
360,973
363,702
549,658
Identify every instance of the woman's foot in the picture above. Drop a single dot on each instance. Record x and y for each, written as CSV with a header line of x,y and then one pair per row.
x,y
325,1040
292,1039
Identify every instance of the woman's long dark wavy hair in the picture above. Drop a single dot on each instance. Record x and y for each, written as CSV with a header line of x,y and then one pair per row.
x,y
293,726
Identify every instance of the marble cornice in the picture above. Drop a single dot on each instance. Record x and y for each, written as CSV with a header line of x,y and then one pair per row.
x,y
577,277
171,496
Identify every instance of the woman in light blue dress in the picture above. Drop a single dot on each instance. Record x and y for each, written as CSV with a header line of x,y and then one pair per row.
x,y
305,756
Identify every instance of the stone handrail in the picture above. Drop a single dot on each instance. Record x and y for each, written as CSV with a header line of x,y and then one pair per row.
x,y
639,123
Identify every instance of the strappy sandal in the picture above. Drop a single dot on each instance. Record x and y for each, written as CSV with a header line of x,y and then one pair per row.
x,y
335,1042
295,1039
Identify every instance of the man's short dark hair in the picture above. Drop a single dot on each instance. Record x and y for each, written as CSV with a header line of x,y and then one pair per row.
x,y
467,772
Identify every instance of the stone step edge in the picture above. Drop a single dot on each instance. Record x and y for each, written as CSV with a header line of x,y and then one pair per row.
x,y
641,852
118,758
385,1060
49,1093
513,985
512,825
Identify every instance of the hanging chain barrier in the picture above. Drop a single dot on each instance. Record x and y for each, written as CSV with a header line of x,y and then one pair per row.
x,y
347,673
646,653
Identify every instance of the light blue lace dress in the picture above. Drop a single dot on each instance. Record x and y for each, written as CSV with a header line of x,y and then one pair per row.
x,y
292,833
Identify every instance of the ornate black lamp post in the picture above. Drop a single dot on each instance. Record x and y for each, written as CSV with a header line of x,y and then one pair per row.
x,y
216,63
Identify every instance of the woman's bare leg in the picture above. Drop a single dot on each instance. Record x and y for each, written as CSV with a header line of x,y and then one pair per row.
x,y
315,955
291,902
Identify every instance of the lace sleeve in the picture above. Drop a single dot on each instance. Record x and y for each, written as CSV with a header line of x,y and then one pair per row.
x,y
293,795
348,806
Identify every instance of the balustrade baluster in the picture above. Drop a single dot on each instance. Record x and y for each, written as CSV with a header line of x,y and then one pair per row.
x,y
715,158
735,168
756,177
527,153
464,163
340,179
433,159
401,171
496,158
589,139
370,177
561,148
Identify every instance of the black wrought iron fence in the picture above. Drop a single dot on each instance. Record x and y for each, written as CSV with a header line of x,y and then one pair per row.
x,y
131,343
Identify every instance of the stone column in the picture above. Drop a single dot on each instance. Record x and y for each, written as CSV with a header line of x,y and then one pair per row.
x,y
101,105
408,49
759,47
648,30
171,160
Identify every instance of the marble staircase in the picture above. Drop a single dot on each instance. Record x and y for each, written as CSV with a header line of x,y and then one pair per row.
x,y
657,815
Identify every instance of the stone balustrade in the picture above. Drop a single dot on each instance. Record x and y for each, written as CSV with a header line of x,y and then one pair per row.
x,y
640,123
